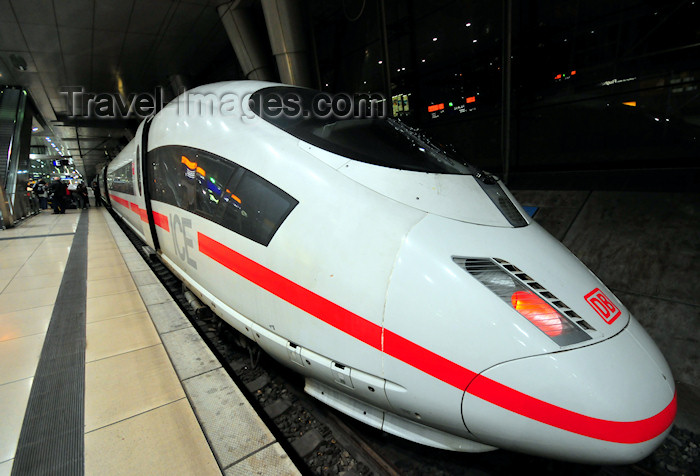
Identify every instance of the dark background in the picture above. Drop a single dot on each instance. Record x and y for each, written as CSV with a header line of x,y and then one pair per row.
x,y
573,67
594,94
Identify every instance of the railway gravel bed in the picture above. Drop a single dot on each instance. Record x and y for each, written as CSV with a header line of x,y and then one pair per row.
x,y
322,441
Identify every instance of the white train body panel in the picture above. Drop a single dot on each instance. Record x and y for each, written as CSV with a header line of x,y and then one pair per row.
x,y
599,392
305,247
131,205
402,295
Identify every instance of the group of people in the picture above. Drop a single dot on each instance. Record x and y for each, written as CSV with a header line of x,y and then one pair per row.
x,y
61,195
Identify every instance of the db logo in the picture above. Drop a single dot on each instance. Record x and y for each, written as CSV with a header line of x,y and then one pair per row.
x,y
603,305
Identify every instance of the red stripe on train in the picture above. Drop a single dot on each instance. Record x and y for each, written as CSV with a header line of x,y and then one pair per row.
x,y
432,363
607,430
161,220
158,218
120,201
307,301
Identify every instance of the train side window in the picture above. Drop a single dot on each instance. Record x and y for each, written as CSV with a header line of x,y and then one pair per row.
x,y
189,178
219,190
121,179
164,181
110,180
203,178
256,208
128,178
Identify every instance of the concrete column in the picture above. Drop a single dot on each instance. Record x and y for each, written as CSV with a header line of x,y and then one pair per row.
x,y
248,43
285,28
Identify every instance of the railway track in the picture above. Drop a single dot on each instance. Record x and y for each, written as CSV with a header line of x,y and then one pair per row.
x,y
322,441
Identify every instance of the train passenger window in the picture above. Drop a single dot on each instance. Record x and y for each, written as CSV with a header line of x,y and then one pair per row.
x,y
121,179
189,178
203,177
164,182
256,208
127,178
218,190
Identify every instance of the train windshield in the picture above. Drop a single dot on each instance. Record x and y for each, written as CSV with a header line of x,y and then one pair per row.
x,y
307,115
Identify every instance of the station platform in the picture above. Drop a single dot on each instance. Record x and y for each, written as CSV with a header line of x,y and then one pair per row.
x,y
101,373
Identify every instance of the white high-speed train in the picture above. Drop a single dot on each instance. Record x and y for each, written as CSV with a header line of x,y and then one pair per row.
x,y
412,291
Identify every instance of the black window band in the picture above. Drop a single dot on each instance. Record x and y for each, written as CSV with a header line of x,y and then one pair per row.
x,y
219,190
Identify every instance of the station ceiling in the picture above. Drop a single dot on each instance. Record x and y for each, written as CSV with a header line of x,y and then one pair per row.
x,y
124,46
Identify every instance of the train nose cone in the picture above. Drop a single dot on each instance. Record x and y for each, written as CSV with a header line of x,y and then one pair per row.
x,y
609,403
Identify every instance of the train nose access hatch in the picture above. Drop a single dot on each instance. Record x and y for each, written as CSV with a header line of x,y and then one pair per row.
x,y
614,401
316,367
364,397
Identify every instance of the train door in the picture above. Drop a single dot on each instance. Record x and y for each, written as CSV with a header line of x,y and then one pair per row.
x,y
139,177
105,190
142,189
127,187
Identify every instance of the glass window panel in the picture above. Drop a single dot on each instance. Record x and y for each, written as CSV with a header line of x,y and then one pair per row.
x,y
204,177
120,180
212,187
256,208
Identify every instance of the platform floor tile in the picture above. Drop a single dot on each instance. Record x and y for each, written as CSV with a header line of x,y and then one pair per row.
x,y
13,401
25,322
269,460
166,440
148,376
113,305
119,335
19,357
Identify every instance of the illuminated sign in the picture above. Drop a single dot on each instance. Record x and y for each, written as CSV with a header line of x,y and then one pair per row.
x,y
565,75
400,104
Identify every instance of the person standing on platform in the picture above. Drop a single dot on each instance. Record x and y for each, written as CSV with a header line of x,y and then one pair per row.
x,y
71,199
96,191
84,193
81,195
58,192
40,190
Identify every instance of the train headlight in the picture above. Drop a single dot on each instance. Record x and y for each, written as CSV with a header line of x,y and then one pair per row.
x,y
515,292
537,311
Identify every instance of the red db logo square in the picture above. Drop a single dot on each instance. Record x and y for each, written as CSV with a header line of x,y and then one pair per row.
x,y
603,305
